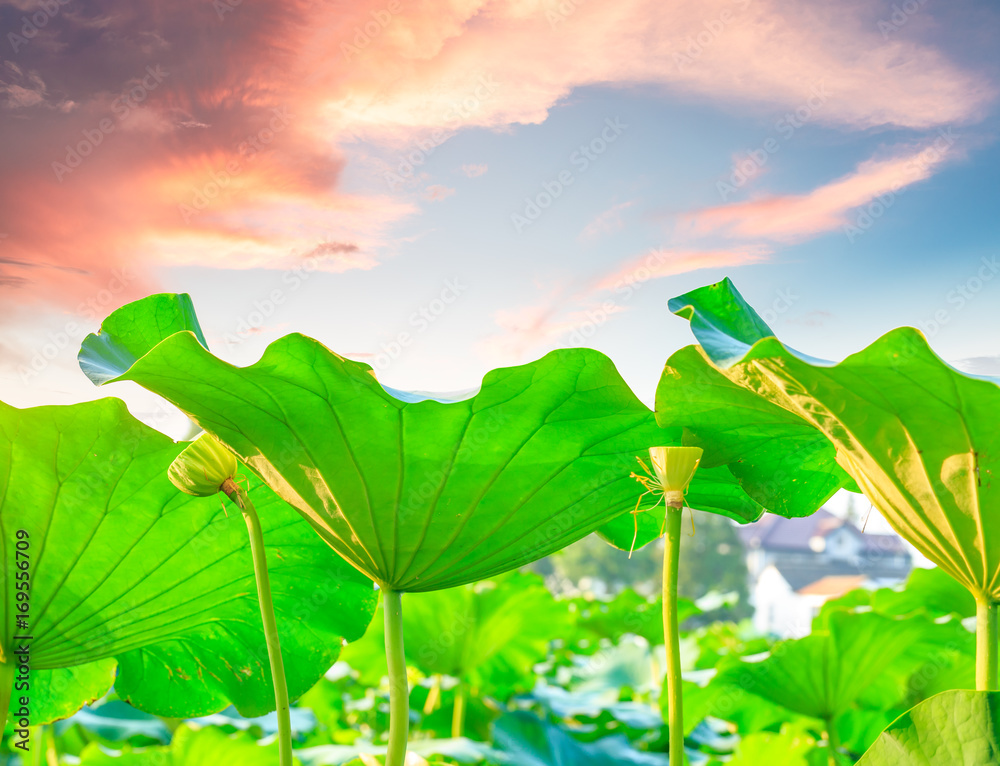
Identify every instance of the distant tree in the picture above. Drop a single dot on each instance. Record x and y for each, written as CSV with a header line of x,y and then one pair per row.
x,y
711,560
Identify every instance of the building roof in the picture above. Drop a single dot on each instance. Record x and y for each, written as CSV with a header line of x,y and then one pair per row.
x,y
800,574
833,585
776,533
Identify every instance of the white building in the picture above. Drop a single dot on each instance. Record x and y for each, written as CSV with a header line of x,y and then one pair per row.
x,y
796,565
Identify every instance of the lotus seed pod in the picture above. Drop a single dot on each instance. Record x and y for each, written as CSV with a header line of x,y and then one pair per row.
x,y
675,467
203,467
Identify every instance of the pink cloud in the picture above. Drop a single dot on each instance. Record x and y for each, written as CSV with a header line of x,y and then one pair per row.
x,y
558,318
793,218
343,70
669,262
497,63
437,192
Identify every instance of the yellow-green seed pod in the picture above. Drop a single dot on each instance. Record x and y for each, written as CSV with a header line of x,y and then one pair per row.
x,y
675,467
202,467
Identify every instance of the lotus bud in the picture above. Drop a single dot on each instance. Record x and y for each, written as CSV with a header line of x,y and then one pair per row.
x,y
203,467
674,468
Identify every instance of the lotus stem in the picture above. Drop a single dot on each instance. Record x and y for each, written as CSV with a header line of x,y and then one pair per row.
x,y
239,496
458,715
671,635
7,672
51,752
833,742
986,645
399,688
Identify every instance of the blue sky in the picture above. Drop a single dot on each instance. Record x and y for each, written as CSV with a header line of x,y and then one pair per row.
x,y
433,280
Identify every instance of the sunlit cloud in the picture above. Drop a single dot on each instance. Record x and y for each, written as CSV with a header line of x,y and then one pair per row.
x,y
796,217
221,138
573,317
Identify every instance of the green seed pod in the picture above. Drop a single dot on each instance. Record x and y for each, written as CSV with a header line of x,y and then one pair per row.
x,y
203,467
674,468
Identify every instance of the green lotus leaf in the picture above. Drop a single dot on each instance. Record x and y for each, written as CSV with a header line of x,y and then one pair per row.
x,y
930,591
529,741
792,746
456,750
628,612
918,436
59,692
785,465
190,747
485,634
124,568
954,727
824,673
418,493
725,698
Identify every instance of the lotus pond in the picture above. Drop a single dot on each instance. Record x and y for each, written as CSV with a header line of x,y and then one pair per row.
x,y
335,572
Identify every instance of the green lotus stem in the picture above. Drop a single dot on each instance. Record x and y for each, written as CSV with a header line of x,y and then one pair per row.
x,y
239,496
671,635
832,741
37,734
7,672
51,753
986,645
399,688
458,715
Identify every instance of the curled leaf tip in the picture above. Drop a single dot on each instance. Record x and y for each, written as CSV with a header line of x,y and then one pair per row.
x,y
203,467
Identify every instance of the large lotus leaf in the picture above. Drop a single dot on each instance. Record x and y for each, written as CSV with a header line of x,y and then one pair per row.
x,y
726,698
529,741
190,747
792,746
824,673
124,567
782,463
930,591
418,493
456,750
955,727
59,692
918,436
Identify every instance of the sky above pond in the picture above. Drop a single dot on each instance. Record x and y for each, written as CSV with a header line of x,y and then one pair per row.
x,y
440,188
